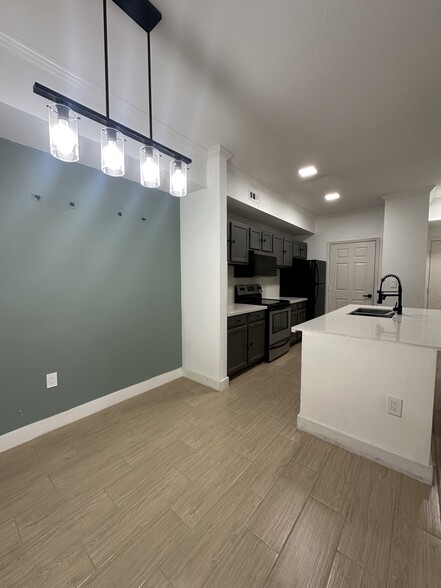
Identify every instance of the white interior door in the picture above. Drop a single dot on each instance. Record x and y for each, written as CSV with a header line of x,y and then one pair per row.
x,y
351,274
434,297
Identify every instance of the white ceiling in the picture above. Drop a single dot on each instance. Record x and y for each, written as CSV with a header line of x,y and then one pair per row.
x,y
352,86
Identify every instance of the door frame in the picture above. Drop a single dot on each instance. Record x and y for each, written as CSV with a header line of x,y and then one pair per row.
x,y
378,244
429,250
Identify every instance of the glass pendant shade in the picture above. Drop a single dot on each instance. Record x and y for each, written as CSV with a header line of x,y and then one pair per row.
x,y
112,152
178,178
63,133
149,167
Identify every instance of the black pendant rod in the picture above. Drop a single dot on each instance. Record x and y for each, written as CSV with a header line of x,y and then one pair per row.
x,y
106,58
101,119
149,69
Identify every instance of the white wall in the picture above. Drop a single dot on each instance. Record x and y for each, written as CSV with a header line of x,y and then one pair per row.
x,y
270,284
204,276
362,224
434,230
270,202
406,229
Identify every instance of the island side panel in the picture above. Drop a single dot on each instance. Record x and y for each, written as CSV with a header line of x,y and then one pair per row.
x,y
345,383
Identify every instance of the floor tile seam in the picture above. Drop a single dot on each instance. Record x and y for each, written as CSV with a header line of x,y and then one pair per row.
x,y
164,470
91,562
214,467
412,524
131,539
252,459
337,543
219,566
220,497
40,535
263,498
328,505
164,574
260,539
391,534
383,582
104,521
18,531
80,475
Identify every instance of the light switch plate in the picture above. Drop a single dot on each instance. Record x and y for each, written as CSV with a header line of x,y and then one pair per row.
x,y
52,380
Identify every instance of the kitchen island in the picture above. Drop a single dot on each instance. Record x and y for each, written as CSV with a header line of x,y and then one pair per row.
x,y
352,364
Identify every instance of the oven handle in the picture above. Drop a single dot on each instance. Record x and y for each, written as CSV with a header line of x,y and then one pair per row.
x,y
281,344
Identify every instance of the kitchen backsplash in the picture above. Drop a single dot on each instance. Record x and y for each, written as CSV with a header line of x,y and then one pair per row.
x,y
270,285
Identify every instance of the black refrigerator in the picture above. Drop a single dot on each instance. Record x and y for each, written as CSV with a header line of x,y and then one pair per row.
x,y
306,279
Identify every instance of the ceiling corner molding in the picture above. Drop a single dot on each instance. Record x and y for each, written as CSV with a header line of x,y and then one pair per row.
x,y
220,151
422,191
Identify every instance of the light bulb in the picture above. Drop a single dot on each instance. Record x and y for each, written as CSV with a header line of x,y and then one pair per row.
x,y
63,137
63,133
178,181
149,167
112,156
178,178
112,152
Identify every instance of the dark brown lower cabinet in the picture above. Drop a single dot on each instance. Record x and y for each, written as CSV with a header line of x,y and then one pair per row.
x,y
246,340
298,315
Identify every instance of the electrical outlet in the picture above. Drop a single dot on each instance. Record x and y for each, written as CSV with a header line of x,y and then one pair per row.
x,y
394,406
52,380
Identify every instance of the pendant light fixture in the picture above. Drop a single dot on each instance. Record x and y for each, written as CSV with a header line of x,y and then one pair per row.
x,y
63,133
178,178
112,141
63,120
149,167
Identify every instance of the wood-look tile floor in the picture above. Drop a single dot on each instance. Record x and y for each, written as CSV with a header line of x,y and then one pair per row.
x,y
186,487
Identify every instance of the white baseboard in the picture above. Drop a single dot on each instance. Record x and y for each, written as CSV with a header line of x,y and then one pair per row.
x,y
219,385
29,432
421,472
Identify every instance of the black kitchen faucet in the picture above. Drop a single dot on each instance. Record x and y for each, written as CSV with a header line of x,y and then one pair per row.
x,y
383,295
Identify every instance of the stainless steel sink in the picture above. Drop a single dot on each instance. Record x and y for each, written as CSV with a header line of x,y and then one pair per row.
x,y
373,311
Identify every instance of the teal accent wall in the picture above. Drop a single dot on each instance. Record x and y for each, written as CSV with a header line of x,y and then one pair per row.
x,y
89,294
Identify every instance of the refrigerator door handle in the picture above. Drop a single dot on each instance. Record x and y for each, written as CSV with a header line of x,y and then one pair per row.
x,y
316,273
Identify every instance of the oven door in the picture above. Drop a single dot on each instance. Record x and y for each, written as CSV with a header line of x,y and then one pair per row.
x,y
278,325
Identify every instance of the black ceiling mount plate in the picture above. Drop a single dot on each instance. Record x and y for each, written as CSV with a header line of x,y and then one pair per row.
x,y
142,12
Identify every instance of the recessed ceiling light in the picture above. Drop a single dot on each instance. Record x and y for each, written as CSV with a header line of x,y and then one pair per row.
x,y
332,196
307,172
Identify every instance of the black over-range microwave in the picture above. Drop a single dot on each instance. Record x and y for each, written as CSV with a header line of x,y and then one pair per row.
x,y
258,265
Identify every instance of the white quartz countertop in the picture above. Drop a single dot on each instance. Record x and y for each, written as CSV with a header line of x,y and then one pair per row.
x,y
292,300
416,326
234,309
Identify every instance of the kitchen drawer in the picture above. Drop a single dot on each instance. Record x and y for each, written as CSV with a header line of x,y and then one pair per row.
x,y
237,321
254,317
301,305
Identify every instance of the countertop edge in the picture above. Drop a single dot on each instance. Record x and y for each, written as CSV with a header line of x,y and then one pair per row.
x,y
234,310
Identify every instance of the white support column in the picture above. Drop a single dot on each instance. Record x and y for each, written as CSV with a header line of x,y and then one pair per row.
x,y
406,227
204,276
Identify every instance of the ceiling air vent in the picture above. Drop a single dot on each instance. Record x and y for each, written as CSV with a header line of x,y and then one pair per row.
x,y
254,196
